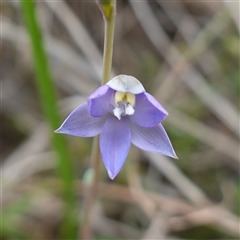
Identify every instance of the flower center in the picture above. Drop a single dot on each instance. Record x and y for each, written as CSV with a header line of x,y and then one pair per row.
x,y
124,104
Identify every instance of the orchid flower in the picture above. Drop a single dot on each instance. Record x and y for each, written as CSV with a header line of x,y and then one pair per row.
x,y
122,112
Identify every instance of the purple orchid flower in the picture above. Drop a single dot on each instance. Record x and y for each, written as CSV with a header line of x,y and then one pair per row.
x,y
122,112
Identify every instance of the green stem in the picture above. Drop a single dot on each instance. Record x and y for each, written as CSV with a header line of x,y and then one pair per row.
x,y
108,44
109,21
48,98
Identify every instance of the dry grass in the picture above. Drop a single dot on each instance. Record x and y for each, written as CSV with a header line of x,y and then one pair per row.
x,y
187,55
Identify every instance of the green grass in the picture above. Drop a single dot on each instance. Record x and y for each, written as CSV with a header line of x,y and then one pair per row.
x,y
48,97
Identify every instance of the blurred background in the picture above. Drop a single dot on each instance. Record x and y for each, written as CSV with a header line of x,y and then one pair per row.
x,y
186,53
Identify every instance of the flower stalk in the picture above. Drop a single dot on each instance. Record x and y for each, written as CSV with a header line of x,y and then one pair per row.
x,y
108,9
109,23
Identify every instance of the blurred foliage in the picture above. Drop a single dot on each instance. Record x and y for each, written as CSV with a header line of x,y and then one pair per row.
x,y
204,232
12,215
32,207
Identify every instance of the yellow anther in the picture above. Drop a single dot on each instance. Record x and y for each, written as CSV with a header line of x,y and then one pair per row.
x,y
119,97
131,98
124,97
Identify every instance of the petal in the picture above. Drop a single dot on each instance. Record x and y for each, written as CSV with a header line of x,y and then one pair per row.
x,y
148,111
99,102
115,142
80,123
125,83
153,139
